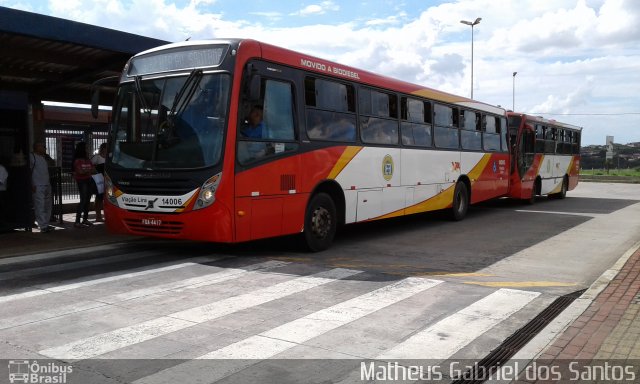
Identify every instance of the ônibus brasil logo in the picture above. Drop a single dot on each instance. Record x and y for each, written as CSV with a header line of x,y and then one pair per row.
x,y
25,371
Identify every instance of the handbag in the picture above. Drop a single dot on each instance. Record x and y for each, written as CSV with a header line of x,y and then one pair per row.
x,y
98,179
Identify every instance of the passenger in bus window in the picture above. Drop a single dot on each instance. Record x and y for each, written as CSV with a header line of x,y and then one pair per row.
x,y
343,130
254,127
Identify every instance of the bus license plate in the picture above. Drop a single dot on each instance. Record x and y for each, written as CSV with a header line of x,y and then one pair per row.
x,y
153,222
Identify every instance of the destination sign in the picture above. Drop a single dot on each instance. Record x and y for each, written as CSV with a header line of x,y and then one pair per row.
x,y
177,59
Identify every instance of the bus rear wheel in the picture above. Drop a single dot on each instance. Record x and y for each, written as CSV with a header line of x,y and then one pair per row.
x,y
320,222
460,201
563,190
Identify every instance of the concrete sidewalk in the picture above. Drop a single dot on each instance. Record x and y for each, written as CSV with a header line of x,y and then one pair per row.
x,y
65,236
595,339
609,329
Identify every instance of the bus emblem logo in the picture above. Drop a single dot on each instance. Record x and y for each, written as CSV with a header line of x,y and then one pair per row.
x,y
150,204
387,167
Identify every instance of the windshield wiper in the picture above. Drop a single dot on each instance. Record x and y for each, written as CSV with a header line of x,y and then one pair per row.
x,y
184,95
143,101
166,135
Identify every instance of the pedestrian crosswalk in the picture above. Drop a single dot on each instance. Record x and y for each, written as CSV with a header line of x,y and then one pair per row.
x,y
295,306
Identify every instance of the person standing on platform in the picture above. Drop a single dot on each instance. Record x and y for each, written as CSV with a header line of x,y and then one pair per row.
x,y
41,187
4,176
98,162
82,171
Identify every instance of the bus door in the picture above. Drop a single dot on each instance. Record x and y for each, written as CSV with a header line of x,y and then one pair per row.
x,y
267,192
526,153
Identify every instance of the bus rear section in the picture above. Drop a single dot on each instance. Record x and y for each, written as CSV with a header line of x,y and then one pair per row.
x,y
545,157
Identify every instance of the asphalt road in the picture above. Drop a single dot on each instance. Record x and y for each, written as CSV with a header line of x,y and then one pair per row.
x,y
419,288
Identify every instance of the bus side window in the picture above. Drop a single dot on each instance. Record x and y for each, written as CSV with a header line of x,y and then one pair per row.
x,y
278,111
381,124
539,138
491,134
330,110
471,137
503,134
446,127
415,127
276,132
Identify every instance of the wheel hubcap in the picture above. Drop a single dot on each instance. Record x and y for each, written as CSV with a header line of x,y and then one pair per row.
x,y
321,222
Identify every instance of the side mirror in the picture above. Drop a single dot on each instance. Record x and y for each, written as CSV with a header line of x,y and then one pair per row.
x,y
95,101
95,93
255,83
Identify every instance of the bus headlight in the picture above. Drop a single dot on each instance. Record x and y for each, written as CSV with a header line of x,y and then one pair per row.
x,y
208,192
110,191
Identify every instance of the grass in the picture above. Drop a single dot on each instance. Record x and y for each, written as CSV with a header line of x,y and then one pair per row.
x,y
632,172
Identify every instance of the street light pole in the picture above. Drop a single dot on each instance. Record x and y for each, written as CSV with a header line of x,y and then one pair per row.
x,y
513,106
472,24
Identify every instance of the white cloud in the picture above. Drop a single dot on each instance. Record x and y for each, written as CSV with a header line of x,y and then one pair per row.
x,y
567,102
572,56
318,9
390,20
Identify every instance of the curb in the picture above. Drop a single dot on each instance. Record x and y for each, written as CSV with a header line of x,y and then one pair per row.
x,y
556,328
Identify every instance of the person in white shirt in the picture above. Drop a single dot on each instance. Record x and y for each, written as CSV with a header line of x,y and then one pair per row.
x,y
98,161
40,187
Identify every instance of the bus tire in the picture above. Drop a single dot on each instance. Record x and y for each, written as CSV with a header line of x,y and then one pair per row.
x,y
460,203
532,198
563,190
534,192
320,222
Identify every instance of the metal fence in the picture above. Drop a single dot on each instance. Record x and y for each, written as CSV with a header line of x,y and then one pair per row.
x,y
61,143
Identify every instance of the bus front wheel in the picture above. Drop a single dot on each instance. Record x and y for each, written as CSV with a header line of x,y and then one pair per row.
x,y
460,201
320,222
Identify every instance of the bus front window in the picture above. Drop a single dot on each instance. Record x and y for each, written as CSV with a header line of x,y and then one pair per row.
x,y
171,123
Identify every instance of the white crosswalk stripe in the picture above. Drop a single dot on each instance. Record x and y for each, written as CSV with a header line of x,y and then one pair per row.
x,y
48,313
194,282
449,335
120,338
284,337
49,269
57,311
308,331
104,278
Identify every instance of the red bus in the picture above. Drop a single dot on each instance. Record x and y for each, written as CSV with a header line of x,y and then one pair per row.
x,y
237,140
545,157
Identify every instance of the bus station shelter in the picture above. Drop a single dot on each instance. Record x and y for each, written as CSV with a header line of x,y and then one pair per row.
x,y
45,58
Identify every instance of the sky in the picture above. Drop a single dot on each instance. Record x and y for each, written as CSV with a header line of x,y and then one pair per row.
x,y
577,61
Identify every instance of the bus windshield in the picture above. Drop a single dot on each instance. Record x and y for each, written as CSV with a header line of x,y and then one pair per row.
x,y
171,123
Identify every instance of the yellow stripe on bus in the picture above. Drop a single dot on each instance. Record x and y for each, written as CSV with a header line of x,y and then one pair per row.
x,y
477,170
440,96
346,157
443,199
440,201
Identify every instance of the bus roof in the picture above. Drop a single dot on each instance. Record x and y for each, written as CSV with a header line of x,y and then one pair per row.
x,y
542,120
325,67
